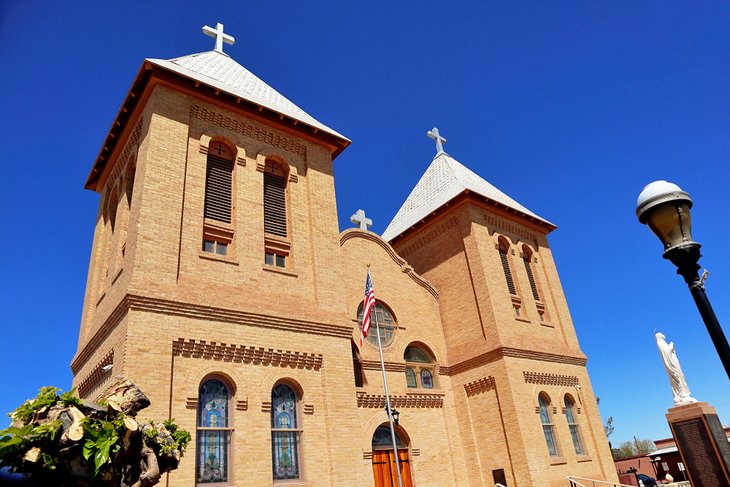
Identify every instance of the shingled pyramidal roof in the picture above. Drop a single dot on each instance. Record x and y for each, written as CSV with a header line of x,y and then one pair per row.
x,y
445,179
220,71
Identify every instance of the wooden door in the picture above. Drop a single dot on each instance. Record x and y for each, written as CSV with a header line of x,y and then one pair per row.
x,y
384,471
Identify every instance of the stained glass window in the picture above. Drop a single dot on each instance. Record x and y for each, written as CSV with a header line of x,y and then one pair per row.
x,y
414,354
573,426
383,439
547,425
410,378
384,318
213,432
285,433
426,379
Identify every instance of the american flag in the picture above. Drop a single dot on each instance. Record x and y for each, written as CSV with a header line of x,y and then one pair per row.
x,y
367,306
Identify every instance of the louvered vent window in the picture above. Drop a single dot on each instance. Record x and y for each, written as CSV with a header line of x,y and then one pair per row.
x,y
505,267
218,183
531,278
274,200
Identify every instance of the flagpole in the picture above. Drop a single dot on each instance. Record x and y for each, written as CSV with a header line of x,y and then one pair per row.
x,y
387,404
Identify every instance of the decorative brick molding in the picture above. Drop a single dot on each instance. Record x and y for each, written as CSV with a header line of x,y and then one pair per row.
x,y
308,409
191,403
242,405
245,354
443,370
430,236
480,386
190,310
416,452
389,366
367,455
405,268
546,379
123,158
96,375
414,400
510,228
498,353
266,407
221,120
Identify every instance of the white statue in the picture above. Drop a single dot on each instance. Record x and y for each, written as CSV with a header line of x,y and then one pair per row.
x,y
674,370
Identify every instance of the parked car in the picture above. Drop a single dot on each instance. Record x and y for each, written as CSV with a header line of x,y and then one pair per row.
x,y
646,480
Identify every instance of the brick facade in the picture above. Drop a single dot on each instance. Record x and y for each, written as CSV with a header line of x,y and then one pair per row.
x,y
168,315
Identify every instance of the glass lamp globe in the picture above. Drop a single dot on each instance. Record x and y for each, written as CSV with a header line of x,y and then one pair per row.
x,y
665,208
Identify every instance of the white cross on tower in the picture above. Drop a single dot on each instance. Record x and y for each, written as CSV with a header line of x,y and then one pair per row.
x,y
360,219
220,37
440,141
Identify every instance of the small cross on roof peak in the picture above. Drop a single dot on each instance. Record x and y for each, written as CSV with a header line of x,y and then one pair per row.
x,y
219,35
440,141
361,220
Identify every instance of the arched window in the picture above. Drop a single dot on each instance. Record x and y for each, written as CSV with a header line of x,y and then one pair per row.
x,y
503,249
527,258
356,365
573,425
214,433
383,440
285,433
218,198
381,315
276,245
411,378
419,363
548,428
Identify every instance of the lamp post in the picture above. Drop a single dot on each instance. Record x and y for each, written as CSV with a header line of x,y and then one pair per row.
x,y
665,208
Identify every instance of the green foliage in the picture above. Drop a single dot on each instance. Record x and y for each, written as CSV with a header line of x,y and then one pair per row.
x,y
100,438
70,398
182,437
629,449
45,398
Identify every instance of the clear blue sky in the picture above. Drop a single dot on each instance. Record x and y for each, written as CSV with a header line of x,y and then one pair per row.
x,y
568,107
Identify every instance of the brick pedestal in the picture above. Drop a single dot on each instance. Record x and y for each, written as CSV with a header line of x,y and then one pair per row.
x,y
702,444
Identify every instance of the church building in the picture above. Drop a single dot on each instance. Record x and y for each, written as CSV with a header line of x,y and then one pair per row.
x,y
220,283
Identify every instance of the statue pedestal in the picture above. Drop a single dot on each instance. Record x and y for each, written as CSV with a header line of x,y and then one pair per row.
x,y
702,444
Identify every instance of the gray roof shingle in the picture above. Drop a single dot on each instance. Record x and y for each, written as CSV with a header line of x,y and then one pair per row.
x,y
445,179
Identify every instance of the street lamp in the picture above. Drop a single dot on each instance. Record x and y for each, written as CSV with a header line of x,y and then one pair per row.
x,y
665,208
394,413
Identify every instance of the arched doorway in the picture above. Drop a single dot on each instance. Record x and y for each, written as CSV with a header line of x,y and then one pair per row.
x,y
384,470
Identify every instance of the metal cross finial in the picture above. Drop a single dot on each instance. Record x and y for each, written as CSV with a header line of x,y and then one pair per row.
x,y
220,37
360,219
440,141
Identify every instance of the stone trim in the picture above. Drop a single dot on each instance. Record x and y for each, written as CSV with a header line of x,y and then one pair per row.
x,y
405,268
412,400
546,379
246,354
501,352
191,310
221,120
480,386
96,375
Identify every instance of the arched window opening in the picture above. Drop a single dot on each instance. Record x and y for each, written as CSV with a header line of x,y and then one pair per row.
x,y
217,232
275,214
419,364
527,259
381,315
411,378
213,432
382,439
503,250
285,433
357,365
548,428
573,425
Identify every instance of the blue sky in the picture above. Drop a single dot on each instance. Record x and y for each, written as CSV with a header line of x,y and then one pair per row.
x,y
568,107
